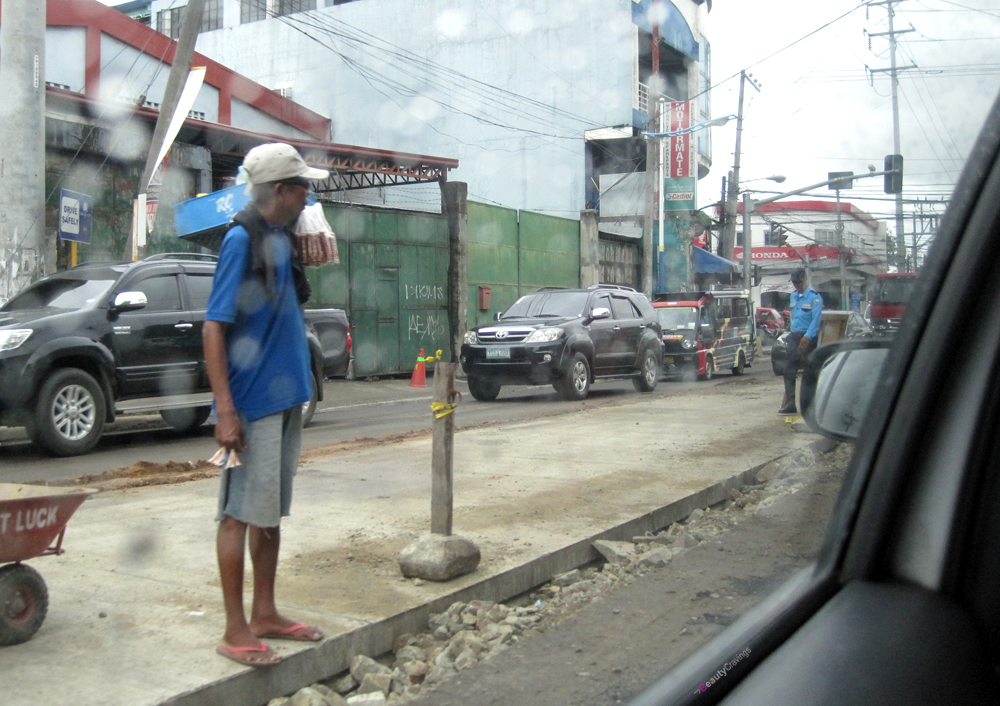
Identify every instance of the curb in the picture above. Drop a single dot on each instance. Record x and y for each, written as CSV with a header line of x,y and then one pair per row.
x,y
333,656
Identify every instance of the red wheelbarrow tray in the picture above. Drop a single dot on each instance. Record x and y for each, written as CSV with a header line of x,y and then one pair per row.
x,y
33,519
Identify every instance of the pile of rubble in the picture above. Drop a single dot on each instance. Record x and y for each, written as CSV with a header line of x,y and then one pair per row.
x,y
467,633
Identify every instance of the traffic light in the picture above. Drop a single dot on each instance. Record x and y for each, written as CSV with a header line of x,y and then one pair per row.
x,y
777,235
894,181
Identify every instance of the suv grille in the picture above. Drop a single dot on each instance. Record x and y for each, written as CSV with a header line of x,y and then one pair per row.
x,y
503,334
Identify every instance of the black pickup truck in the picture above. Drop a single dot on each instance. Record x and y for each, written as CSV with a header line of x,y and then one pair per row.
x,y
81,346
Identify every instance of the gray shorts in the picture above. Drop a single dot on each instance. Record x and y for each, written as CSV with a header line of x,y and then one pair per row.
x,y
259,490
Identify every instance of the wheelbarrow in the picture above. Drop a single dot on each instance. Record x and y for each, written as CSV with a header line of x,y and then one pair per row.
x,y
32,523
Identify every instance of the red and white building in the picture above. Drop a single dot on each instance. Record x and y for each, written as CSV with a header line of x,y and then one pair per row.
x,y
786,235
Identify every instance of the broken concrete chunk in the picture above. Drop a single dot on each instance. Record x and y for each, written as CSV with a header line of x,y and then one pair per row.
x,y
767,473
345,684
308,696
695,516
567,579
363,665
614,552
439,558
372,683
416,672
372,699
409,653
657,557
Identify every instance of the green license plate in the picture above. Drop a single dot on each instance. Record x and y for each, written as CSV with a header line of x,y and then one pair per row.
x,y
498,352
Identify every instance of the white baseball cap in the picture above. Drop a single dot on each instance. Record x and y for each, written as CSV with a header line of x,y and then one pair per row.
x,y
277,161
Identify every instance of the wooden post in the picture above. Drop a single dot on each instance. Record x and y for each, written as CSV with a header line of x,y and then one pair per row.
x,y
442,454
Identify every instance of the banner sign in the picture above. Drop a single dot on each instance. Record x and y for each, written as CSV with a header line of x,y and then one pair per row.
x,y
679,184
76,213
774,254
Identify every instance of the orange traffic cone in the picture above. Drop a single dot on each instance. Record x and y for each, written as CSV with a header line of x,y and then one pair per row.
x,y
419,372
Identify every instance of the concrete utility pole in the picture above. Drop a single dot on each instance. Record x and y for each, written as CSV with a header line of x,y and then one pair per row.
x,y
25,251
894,70
729,232
455,207
179,70
653,190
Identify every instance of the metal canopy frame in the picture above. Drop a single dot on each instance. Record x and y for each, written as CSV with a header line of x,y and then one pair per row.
x,y
352,167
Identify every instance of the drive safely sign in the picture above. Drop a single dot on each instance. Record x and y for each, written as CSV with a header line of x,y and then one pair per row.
x,y
76,212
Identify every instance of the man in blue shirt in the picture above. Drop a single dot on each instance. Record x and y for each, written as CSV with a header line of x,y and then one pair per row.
x,y
807,309
257,358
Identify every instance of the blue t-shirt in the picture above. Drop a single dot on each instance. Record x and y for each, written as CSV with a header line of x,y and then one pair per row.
x,y
266,346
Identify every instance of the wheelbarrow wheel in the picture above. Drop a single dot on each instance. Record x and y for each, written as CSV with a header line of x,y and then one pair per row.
x,y
24,600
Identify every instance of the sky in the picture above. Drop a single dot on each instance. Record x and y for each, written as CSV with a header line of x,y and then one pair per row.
x,y
818,109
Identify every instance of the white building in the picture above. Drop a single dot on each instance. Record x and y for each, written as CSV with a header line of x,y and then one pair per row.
x,y
519,92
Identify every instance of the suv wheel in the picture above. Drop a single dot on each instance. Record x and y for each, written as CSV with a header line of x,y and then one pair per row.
x,y
186,418
741,363
576,383
483,390
649,373
309,408
709,369
69,413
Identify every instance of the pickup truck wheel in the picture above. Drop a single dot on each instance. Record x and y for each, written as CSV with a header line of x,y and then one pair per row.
x,y
649,373
185,419
483,390
69,413
309,408
24,600
575,385
741,363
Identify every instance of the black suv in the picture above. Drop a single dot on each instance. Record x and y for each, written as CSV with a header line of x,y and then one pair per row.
x,y
566,338
79,346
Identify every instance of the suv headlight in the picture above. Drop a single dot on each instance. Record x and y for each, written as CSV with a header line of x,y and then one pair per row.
x,y
9,340
544,335
687,343
471,337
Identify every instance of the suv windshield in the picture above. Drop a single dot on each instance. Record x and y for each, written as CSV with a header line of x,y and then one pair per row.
x,y
60,293
679,318
548,304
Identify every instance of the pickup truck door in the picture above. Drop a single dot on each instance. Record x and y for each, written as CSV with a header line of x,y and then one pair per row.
x,y
154,346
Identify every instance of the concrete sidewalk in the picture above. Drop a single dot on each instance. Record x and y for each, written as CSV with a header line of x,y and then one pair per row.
x,y
135,607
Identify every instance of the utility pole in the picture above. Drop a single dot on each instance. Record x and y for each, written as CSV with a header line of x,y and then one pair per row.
x,y
653,190
844,304
25,253
179,69
893,73
729,232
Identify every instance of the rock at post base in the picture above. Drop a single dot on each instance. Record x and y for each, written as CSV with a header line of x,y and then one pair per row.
x,y
436,557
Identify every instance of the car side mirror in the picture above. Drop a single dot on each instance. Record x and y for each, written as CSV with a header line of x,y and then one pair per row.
x,y
706,329
838,384
129,301
600,312
496,316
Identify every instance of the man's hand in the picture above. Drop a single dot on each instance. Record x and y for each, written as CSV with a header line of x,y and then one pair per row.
x,y
804,343
229,432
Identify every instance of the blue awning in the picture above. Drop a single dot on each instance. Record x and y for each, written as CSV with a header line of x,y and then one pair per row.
x,y
705,262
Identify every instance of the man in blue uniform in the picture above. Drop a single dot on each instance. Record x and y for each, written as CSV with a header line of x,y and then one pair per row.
x,y
807,308
257,359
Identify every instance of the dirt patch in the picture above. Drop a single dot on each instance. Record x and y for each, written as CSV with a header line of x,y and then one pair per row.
x,y
361,444
144,473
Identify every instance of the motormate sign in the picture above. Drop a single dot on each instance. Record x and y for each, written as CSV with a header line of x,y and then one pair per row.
x,y
76,213
680,177
680,145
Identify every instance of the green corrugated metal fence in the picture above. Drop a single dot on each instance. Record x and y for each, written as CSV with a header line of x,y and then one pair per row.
x,y
393,274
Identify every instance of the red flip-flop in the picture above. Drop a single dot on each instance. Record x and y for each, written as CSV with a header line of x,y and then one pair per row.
x,y
294,632
246,655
